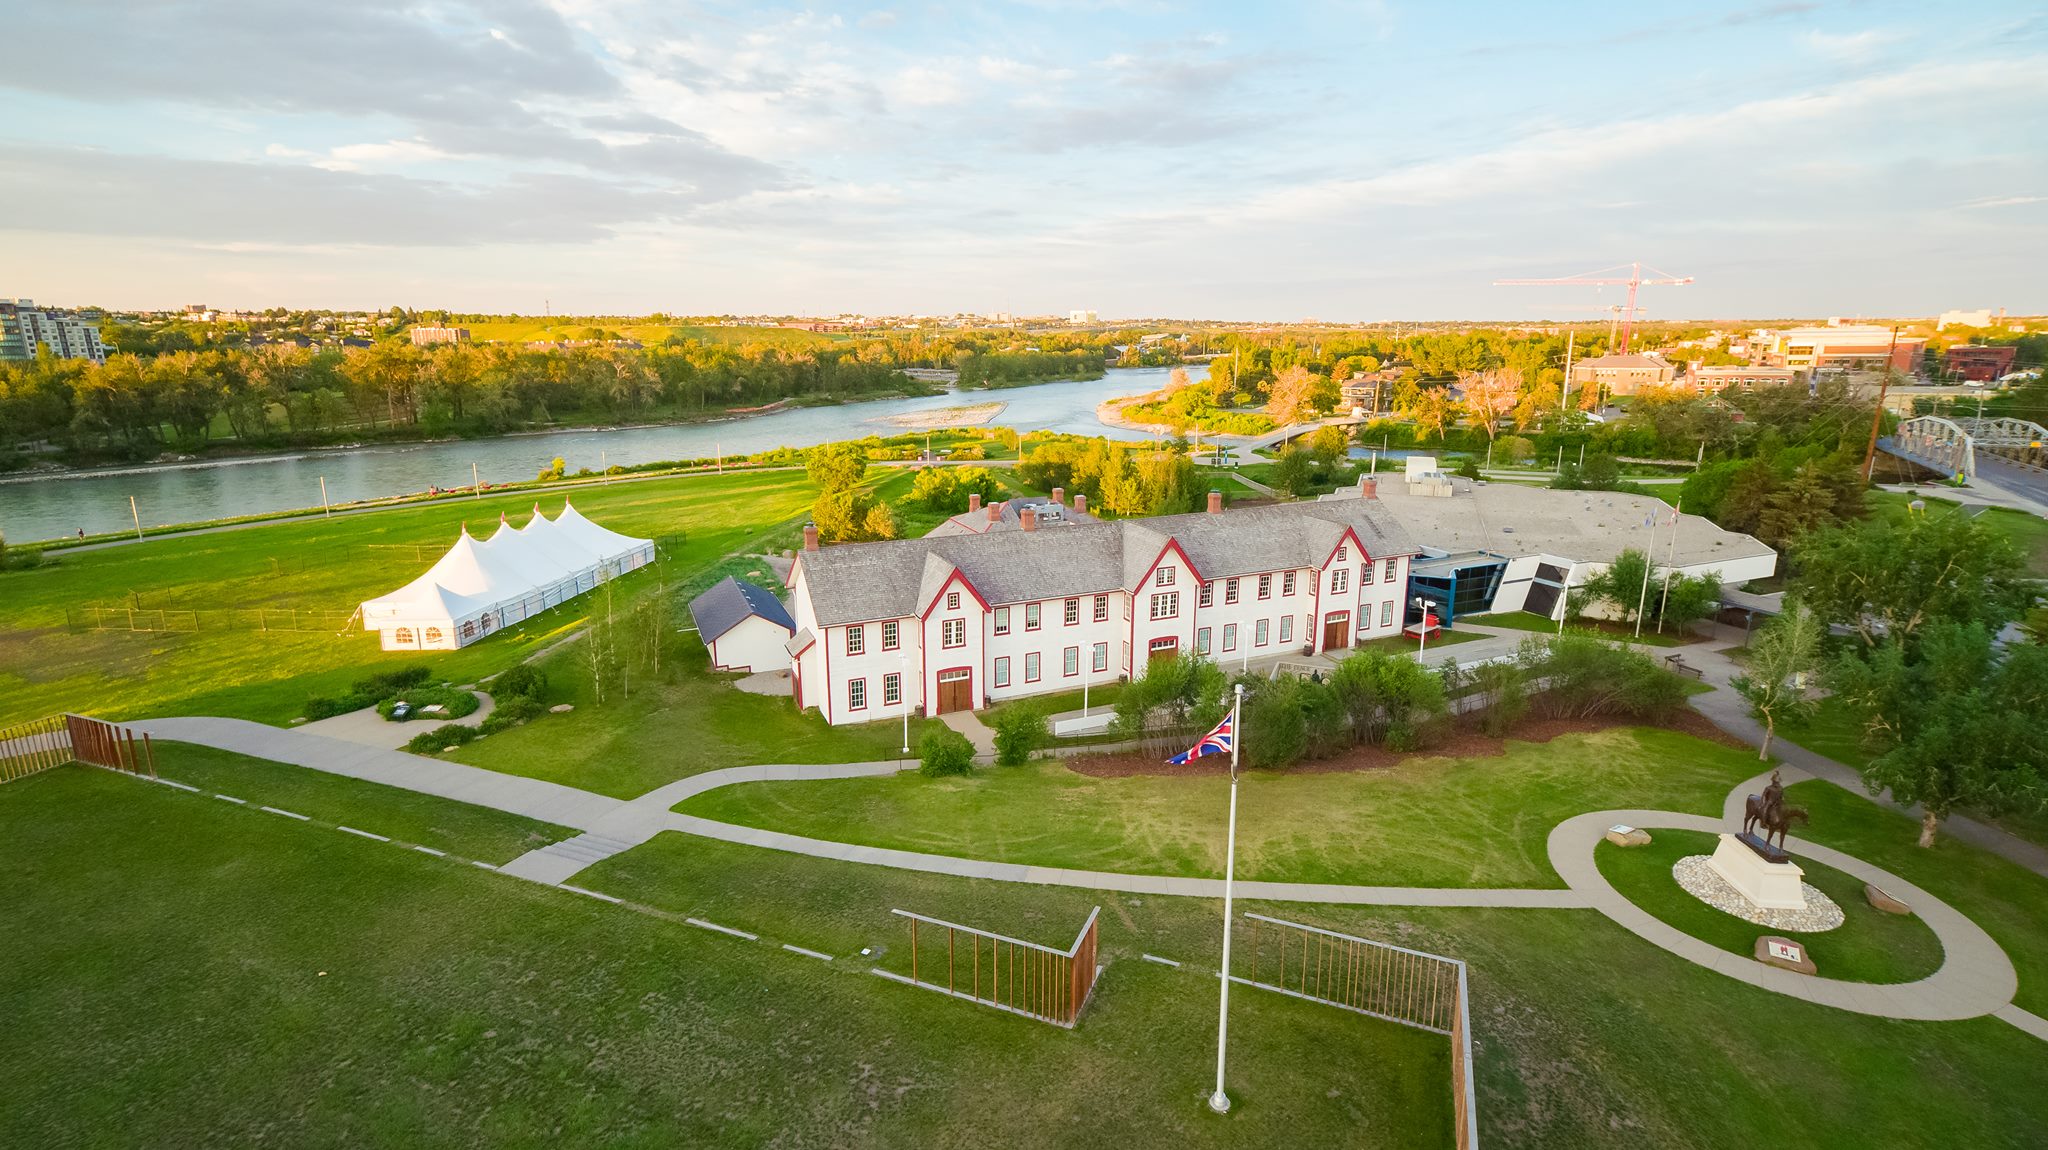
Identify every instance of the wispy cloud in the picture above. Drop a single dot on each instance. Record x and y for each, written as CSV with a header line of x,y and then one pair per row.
x,y
2004,202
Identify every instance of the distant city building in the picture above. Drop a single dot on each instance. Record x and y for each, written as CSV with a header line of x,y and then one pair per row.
x,y
1843,347
1623,374
24,327
1721,378
1982,317
1977,361
427,336
1081,315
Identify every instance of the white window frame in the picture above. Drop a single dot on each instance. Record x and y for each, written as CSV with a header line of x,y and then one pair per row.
x,y
1206,597
952,633
1070,662
1365,574
1230,590
1387,613
892,689
1099,659
1002,670
1034,616
1072,615
1286,629
1229,637
1265,586
1262,632
1102,608
892,635
857,640
1165,576
1287,583
1393,569
856,694
1031,667
952,600
1340,580
1343,553
1201,640
1165,605
1002,625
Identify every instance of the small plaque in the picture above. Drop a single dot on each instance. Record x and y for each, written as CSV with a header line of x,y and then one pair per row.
x,y
1621,829
1788,951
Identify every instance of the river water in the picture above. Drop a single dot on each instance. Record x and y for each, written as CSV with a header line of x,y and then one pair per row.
x,y
48,506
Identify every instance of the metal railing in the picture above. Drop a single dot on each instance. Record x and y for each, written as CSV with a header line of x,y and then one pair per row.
x,y
1377,979
1026,978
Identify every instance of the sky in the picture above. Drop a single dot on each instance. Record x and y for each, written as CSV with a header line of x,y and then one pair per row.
x,y
1352,161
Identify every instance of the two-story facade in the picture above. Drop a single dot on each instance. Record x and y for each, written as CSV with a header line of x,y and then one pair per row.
x,y
956,621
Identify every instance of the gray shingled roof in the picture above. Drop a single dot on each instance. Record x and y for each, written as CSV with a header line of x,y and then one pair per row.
x,y
1008,517
731,601
860,582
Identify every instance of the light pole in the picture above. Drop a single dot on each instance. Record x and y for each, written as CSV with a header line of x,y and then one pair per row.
x,y
1219,1101
1422,628
903,696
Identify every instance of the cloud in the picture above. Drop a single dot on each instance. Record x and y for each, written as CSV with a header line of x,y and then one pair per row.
x,y
1852,47
2003,202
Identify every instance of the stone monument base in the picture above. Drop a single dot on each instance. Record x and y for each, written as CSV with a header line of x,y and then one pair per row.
x,y
1770,885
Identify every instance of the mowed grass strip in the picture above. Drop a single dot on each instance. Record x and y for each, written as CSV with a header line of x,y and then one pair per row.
x,y
457,828
328,565
182,973
1431,821
1869,946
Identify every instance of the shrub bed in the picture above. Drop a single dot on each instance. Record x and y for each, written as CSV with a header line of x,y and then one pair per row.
x,y
456,701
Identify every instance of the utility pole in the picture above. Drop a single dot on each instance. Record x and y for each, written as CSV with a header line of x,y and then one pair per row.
x,y
137,515
1877,417
475,485
324,508
1564,397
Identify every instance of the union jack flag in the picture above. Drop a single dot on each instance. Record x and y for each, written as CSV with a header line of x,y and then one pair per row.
x,y
1216,742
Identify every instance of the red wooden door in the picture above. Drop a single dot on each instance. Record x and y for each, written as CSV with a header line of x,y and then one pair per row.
x,y
1162,649
1336,630
956,691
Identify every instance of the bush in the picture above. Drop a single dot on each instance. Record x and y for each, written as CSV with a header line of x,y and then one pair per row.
x,y
1019,730
440,738
1588,677
368,692
524,681
457,703
944,751
519,709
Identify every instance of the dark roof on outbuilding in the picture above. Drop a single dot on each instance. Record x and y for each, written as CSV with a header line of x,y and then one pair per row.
x,y
731,602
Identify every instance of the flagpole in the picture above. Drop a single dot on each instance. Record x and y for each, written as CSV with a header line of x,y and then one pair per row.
x,y
1649,560
1219,1101
1670,557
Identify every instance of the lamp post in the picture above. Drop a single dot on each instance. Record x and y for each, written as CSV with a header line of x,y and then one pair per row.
x,y
903,697
1219,1101
1422,631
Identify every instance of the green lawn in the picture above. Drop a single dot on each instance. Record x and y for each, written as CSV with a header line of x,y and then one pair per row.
x,y
182,972
1832,730
1431,821
2007,900
690,721
327,565
470,832
1869,946
176,968
2027,532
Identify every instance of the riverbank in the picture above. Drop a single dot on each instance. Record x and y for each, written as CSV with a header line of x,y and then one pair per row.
x,y
226,452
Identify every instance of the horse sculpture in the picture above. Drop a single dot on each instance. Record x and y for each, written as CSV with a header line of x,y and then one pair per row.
x,y
1773,815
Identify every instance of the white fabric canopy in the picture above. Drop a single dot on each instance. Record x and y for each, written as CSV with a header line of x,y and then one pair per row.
x,y
480,586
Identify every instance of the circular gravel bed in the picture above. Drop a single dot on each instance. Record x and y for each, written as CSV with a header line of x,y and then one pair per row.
x,y
1706,884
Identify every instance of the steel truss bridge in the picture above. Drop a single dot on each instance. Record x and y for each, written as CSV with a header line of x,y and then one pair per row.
x,y
1950,446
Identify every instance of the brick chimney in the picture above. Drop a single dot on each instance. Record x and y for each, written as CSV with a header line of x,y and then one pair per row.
x,y
1059,496
995,512
1215,502
1080,504
1027,518
1368,487
973,502
810,537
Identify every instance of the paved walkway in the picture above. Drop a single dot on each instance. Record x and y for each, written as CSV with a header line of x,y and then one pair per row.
x,y
371,729
969,724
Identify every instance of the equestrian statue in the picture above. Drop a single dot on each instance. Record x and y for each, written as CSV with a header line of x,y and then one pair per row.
x,y
1769,811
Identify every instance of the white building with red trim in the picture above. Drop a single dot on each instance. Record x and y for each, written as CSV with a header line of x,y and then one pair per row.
x,y
1037,603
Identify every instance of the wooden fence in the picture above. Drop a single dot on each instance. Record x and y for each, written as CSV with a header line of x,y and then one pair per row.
x,y
1007,973
186,621
31,747
1413,988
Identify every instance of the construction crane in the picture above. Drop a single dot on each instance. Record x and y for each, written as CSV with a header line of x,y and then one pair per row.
x,y
1603,277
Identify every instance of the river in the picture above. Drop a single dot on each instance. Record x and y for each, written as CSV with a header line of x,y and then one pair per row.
x,y
47,506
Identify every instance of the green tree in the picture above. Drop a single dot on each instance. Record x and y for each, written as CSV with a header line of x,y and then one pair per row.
x,y
1955,726
1895,579
1329,445
1295,470
836,466
1781,655
1020,730
1390,699
943,751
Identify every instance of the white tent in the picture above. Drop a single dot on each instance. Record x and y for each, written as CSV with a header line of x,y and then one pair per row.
x,y
480,586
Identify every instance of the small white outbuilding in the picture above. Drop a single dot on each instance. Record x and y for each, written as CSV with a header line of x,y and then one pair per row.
x,y
744,626
482,585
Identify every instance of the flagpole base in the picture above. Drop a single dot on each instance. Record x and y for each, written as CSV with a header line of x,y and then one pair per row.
x,y
1219,1102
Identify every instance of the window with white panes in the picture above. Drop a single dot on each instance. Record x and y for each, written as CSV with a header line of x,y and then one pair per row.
x,y
1003,671
1031,666
892,689
1230,636
953,633
892,635
1163,577
856,640
1099,659
1340,579
1031,615
1070,661
1287,583
1206,597
1073,612
1262,632
1230,590
1287,628
1201,640
952,600
1265,586
1002,621
1392,565
1102,608
857,695
1166,605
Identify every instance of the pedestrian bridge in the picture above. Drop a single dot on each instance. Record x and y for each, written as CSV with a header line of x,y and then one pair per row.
x,y
1950,446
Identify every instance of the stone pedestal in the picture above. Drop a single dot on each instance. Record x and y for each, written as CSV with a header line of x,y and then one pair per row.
x,y
1772,886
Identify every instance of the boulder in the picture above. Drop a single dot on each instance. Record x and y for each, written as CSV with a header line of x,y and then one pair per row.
x,y
1884,901
1622,836
1783,953
562,708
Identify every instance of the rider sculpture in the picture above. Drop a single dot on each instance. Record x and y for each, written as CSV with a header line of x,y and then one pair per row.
x,y
1769,811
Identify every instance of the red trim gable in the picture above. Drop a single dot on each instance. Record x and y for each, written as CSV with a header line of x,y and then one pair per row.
x,y
1174,546
956,576
807,646
1351,535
